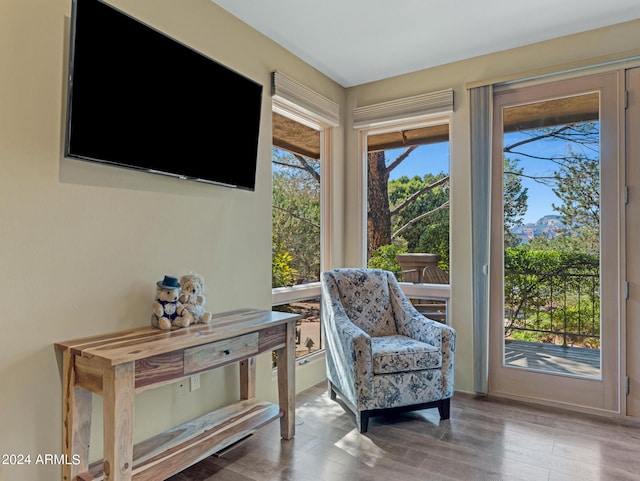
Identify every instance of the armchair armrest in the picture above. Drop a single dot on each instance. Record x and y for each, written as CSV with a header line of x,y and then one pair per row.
x,y
348,351
448,355
409,322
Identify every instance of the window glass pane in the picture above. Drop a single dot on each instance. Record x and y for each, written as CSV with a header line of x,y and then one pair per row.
x,y
296,188
296,209
551,197
308,332
408,203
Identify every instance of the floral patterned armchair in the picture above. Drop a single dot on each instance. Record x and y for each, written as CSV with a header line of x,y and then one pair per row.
x,y
382,354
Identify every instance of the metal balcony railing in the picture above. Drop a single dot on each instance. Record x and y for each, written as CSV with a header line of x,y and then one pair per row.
x,y
554,307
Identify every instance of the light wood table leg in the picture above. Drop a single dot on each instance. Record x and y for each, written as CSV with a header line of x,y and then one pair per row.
x,y
76,421
248,378
118,399
286,384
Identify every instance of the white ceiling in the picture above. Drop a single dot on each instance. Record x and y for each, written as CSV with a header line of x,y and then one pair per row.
x,y
359,41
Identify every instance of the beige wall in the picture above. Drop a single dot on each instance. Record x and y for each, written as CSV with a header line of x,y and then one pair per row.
x,y
82,245
580,49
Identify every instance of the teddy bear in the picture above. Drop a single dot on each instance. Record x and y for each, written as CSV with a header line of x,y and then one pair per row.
x,y
192,297
168,311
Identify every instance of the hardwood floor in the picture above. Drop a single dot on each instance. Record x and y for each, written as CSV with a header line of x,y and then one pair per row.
x,y
485,440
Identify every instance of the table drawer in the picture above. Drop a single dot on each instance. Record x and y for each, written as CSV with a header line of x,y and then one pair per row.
x,y
219,353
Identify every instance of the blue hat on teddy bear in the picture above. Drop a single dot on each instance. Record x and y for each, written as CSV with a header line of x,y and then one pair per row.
x,y
169,282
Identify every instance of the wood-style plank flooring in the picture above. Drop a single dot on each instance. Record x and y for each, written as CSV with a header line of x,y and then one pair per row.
x,y
485,440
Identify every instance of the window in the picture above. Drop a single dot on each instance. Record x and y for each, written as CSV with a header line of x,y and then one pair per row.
x,y
408,201
296,234
301,121
405,148
551,217
408,208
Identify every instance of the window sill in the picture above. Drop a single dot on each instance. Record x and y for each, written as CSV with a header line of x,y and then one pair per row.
x,y
286,295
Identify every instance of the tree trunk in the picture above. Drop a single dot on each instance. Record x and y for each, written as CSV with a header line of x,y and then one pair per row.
x,y
379,214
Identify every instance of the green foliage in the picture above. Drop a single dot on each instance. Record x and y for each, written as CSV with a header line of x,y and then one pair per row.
x,y
431,233
578,187
551,291
384,257
527,336
553,285
515,199
295,218
526,260
573,174
282,274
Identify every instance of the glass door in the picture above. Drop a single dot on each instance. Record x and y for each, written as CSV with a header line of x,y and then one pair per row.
x,y
555,239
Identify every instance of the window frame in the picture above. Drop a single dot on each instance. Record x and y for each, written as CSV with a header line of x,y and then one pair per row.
x,y
301,292
441,292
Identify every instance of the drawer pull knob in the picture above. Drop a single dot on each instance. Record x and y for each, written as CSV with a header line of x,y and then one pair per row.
x,y
227,351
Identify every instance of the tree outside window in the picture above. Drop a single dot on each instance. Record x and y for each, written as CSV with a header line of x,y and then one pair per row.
x,y
408,199
296,227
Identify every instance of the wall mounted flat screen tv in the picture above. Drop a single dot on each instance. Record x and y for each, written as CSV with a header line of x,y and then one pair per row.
x,y
139,99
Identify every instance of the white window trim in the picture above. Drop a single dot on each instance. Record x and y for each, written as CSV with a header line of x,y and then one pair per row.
x,y
438,292
287,295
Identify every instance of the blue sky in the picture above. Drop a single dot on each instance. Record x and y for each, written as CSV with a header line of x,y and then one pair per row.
x,y
434,158
540,199
540,196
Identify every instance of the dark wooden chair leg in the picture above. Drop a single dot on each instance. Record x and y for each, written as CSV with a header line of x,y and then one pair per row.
x,y
445,408
332,393
362,420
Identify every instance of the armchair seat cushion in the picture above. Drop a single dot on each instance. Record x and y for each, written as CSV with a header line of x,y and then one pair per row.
x,y
394,354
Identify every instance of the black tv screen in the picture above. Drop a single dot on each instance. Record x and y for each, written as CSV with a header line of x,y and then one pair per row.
x,y
139,99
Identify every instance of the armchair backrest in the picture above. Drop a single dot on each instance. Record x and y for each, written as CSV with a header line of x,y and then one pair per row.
x,y
365,297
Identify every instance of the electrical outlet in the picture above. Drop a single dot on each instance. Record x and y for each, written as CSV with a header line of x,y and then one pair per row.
x,y
195,382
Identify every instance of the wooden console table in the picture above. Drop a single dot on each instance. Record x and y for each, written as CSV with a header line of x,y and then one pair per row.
x,y
119,365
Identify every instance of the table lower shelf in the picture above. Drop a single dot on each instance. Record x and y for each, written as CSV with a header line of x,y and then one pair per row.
x,y
172,451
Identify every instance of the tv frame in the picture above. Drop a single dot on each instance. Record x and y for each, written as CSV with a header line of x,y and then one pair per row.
x,y
248,181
